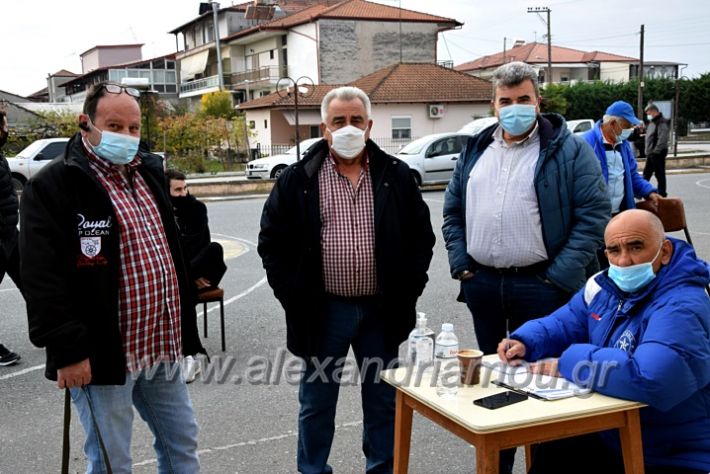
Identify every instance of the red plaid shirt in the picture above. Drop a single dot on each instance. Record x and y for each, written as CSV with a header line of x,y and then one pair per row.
x,y
149,299
348,231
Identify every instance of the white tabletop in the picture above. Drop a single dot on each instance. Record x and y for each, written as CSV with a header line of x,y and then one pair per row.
x,y
482,420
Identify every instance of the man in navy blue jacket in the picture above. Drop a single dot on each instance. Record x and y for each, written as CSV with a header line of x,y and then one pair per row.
x,y
609,140
524,213
638,331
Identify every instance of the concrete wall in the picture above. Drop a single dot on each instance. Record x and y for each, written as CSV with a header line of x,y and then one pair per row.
x,y
278,131
303,52
456,116
101,57
351,49
614,72
262,49
259,134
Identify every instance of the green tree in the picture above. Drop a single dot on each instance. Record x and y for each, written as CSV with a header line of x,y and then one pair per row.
x,y
553,99
217,104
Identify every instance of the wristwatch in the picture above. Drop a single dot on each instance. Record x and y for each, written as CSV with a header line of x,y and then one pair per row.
x,y
465,274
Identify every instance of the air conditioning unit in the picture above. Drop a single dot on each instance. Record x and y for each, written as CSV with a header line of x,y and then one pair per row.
x,y
436,110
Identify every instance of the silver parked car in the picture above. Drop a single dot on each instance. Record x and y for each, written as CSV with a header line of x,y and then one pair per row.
x,y
432,158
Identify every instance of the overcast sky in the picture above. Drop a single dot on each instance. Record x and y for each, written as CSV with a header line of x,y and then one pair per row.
x,y
43,36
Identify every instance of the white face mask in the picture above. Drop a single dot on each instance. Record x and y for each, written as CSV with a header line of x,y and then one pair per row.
x,y
348,142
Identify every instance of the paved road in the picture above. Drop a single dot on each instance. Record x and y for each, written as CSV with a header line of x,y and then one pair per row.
x,y
249,427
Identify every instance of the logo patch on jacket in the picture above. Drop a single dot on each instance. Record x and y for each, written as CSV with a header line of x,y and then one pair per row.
x,y
596,317
627,342
90,246
91,234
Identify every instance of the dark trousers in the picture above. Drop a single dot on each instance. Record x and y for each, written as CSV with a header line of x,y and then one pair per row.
x,y
587,454
209,264
355,322
656,164
10,264
492,298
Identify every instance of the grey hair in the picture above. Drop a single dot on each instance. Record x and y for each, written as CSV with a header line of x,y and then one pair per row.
x,y
608,118
345,93
513,74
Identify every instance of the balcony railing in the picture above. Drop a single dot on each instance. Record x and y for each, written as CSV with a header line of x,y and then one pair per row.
x,y
200,84
266,73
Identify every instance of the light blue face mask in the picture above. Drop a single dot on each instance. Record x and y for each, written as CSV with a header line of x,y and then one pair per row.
x,y
116,148
634,277
517,119
626,133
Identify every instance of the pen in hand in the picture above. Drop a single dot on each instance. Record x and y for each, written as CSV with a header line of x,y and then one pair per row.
x,y
507,334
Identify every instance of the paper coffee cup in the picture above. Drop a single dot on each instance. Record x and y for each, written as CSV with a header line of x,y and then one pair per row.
x,y
470,360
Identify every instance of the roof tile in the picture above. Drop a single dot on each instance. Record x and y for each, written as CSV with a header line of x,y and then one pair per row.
x,y
397,83
536,53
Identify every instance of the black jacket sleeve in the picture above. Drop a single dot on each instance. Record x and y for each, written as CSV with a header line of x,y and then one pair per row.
x,y
46,270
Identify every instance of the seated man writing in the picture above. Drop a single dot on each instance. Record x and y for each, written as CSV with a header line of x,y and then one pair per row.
x,y
639,331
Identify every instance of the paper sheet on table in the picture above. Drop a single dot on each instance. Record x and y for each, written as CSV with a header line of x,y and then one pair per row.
x,y
541,386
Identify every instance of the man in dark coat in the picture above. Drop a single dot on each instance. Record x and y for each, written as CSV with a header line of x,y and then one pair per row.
x,y
105,284
657,134
346,241
204,258
9,254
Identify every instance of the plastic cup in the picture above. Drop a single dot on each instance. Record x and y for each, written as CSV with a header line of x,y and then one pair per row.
x,y
470,360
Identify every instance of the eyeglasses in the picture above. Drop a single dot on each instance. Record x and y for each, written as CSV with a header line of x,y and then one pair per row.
x,y
116,89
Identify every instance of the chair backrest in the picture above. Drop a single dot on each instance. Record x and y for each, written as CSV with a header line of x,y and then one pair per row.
x,y
670,211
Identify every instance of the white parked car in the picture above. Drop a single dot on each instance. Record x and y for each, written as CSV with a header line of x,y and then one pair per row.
x,y
432,158
477,125
30,160
271,167
580,126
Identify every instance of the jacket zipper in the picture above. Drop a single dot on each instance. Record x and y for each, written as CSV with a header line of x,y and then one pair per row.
x,y
612,323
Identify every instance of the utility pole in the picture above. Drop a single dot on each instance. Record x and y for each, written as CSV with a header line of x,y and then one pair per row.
x,y
215,18
539,10
400,31
504,46
641,76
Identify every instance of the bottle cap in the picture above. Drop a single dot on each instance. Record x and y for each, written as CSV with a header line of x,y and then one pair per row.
x,y
447,327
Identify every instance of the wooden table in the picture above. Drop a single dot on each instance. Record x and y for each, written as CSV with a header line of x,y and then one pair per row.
x,y
521,424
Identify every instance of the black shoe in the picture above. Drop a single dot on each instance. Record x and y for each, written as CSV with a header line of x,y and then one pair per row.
x,y
7,357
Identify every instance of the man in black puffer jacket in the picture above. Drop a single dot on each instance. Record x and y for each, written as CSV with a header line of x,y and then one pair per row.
x,y
9,255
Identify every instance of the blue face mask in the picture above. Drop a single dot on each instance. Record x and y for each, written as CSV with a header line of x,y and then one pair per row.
x,y
116,148
635,277
626,133
517,119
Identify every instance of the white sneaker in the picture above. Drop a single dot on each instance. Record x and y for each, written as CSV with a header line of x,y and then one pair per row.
x,y
190,368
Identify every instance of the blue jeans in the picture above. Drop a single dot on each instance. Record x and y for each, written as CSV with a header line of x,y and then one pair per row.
x,y
355,322
161,399
492,298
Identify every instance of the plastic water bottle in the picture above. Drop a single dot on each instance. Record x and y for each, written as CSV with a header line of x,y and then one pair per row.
x,y
420,352
446,352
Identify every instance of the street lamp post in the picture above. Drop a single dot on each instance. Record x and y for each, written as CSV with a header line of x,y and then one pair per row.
x,y
676,108
303,86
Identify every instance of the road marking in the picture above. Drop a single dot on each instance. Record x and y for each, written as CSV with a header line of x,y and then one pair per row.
x,y
434,200
21,372
701,183
232,249
237,297
251,442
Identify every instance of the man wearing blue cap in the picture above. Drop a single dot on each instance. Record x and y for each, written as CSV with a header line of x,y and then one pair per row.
x,y
608,138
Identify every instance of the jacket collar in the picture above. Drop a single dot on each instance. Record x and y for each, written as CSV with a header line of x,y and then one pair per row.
x,y
550,129
313,160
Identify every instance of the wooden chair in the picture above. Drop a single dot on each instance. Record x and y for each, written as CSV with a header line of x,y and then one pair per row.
x,y
209,296
672,214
